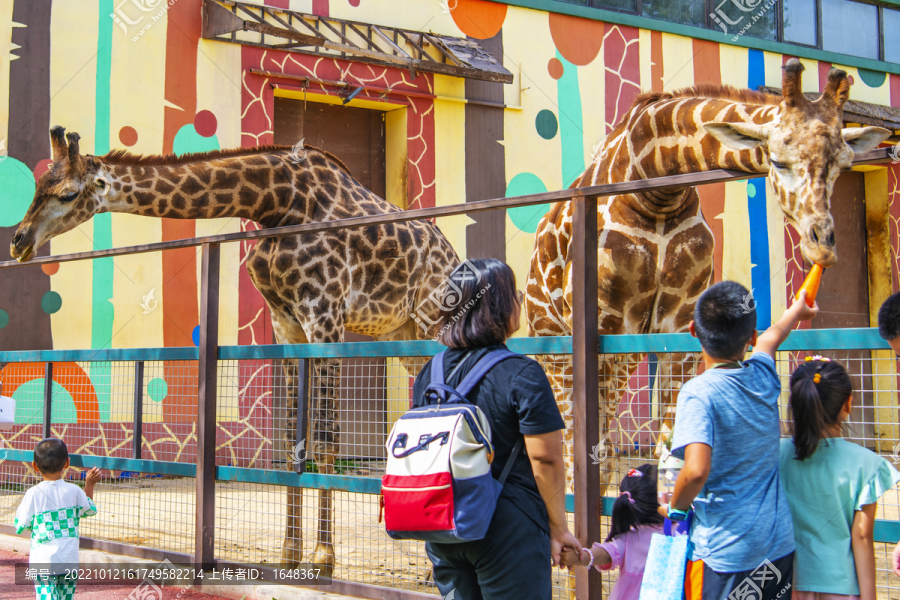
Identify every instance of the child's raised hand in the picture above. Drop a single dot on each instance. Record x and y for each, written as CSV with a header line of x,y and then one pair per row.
x,y
92,477
802,311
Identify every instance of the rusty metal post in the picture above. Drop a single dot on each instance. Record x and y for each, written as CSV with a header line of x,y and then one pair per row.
x,y
48,399
585,345
137,436
204,537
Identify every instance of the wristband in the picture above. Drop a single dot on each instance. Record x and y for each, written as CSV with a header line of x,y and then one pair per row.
x,y
590,564
677,515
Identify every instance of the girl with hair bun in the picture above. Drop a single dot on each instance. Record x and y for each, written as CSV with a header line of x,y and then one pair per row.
x,y
832,486
634,520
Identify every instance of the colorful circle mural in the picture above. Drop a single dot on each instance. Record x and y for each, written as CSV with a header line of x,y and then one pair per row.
x,y
51,302
157,389
555,68
128,136
578,40
546,124
205,123
476,18
526,218
18,185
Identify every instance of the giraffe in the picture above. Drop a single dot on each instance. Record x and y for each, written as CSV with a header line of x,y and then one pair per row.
x,y
655,254
365,280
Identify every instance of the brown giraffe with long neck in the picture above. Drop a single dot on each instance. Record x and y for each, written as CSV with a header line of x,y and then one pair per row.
x,y
366,280
655,248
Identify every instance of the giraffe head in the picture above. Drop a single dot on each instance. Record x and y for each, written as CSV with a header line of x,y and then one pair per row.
x,y
67,195
805,148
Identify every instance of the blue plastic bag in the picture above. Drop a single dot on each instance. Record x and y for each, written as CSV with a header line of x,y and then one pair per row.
x,y
667,563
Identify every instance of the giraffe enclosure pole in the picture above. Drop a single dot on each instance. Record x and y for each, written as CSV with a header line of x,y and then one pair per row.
x,y
585,388
302,411
137,436
204,536
48,397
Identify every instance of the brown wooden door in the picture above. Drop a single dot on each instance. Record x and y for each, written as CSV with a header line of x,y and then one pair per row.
x,y
843,296
356,136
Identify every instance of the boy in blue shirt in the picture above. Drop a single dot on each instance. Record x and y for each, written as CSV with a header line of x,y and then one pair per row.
x,y
727,430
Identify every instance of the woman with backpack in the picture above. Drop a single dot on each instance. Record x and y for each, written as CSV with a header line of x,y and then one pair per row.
x,y
529,528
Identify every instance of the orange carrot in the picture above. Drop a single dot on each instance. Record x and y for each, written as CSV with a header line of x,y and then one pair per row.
x,y
811,284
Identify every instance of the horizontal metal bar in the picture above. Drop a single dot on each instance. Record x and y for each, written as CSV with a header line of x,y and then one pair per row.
x,y
359,485
155,467
611,189
807,339
109,354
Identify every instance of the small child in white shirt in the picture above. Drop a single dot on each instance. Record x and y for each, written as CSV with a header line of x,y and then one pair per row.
x,y
52,510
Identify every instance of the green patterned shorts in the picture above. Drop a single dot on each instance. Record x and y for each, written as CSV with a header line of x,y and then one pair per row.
x,y
55,587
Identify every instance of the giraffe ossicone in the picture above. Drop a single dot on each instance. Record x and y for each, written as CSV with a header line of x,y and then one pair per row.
x,y
317,286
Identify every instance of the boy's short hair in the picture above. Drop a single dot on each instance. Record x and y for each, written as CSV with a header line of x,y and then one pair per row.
x,y
889,318
51,455
725,319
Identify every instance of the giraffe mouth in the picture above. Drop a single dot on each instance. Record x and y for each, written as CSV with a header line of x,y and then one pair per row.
x,y
26,254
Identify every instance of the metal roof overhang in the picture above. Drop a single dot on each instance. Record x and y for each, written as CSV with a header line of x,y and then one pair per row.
x,y
251,25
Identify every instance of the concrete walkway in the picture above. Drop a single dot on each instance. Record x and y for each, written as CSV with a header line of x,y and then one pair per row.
x,y
15,549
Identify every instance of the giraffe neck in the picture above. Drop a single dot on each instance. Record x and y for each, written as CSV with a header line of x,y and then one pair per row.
x,y
666,137
266,188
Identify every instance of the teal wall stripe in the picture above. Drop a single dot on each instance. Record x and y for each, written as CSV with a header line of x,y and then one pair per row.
x,y
810,339
571,122
102,313
744,41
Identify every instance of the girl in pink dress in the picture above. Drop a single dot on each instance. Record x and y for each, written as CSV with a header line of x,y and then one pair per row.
x,y
634,520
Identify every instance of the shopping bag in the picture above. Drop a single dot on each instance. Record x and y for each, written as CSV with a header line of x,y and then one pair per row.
x,y
7,412
666,564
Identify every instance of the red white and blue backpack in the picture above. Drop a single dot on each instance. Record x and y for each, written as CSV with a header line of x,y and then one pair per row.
x,y
437,485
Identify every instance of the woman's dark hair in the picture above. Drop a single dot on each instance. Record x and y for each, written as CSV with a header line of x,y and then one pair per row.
x,y
478,305
816,405
889,318
637,502
51,455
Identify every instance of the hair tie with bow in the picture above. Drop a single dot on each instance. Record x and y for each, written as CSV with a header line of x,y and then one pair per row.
x,y
627,493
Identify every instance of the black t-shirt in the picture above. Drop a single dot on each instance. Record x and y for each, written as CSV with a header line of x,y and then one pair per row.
x,y
516,398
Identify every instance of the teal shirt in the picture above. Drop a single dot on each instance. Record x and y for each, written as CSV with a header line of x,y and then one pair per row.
x,y
824,493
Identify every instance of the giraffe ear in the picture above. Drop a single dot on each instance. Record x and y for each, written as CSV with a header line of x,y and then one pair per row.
x,y
740,136
102,186
863,139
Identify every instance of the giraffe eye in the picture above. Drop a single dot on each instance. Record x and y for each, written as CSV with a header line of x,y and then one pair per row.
x,y
779,165
68,197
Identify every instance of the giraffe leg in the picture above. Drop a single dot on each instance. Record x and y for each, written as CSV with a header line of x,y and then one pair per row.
x,y
292,547
324,444
675,370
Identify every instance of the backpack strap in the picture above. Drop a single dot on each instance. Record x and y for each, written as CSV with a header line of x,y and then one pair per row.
x,y
481,368
517,449
443,391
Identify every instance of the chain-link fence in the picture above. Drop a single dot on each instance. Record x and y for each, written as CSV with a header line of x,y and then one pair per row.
x,y
331,426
